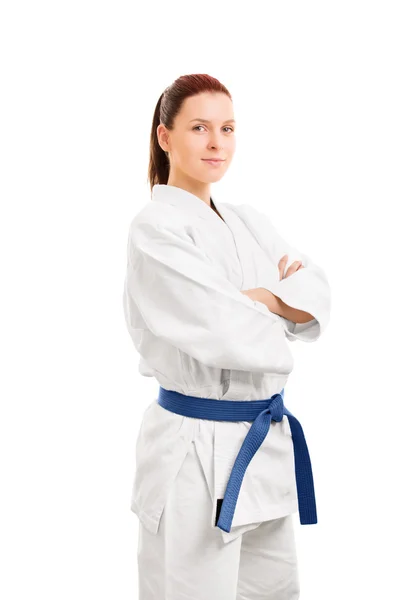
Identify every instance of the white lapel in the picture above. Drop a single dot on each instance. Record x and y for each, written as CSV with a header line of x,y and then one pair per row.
x,y
188,202
261,230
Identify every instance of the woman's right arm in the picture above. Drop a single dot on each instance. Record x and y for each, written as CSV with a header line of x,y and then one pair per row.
x,y
184,299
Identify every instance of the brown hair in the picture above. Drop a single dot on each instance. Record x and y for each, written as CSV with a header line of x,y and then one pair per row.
x,y
168,106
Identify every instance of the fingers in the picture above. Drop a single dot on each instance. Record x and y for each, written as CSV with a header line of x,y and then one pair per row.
x,y
295,266
282,265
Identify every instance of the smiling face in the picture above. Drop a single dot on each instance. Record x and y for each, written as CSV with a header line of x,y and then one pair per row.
x,y
204,128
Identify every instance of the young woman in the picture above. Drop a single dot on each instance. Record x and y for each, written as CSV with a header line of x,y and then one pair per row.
x,y
212,296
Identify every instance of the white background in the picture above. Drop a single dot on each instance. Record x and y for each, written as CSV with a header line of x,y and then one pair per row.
x,y
316,97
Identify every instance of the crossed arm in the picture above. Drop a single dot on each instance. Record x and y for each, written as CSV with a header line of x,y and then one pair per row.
x,y
276,304
176,290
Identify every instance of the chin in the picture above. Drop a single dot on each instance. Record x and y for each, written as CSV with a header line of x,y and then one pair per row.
x,y
205,175
211,177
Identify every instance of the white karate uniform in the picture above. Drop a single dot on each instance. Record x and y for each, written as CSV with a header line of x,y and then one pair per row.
x,y
188,560
197,334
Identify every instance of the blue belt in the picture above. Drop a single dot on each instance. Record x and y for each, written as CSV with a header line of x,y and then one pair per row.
x,y
262,412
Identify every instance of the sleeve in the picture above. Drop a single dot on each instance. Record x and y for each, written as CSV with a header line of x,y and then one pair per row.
x,y
186,300
306,332
307,289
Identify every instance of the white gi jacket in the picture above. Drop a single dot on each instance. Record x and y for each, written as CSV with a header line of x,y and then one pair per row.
x,y
197,334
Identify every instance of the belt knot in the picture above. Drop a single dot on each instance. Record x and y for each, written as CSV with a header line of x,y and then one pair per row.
x,y
276,407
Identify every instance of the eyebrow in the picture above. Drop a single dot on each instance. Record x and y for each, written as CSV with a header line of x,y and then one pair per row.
x,y
206,121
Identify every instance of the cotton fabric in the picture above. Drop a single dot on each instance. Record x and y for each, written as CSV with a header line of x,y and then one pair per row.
x,y
188,560
196,333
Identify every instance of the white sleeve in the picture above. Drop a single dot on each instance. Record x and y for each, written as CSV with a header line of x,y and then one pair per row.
x,y
185,299
306,332
307,289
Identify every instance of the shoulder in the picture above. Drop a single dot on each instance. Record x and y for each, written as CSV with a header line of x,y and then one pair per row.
x,y
157,223
155,216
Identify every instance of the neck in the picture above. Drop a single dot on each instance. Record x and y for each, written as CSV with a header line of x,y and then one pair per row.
x,y
198,188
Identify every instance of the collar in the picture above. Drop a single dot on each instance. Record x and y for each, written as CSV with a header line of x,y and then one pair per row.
x,y
187,201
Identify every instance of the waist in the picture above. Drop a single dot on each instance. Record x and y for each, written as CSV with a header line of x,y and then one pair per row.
x,y
262,412
221,410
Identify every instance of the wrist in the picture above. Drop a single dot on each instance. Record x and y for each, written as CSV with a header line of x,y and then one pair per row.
x,y
273,303
278,306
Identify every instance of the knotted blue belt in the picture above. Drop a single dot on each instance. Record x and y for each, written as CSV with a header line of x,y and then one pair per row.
x,y
262,412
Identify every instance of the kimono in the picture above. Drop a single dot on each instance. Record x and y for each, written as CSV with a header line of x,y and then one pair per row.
x,y
197,334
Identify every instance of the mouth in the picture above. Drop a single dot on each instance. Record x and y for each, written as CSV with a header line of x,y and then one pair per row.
x,y
213,161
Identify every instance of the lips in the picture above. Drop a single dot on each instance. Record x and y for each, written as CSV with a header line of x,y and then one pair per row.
x,y
212,162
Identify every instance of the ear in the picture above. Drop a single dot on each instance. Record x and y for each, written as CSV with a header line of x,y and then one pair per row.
x,y
163,137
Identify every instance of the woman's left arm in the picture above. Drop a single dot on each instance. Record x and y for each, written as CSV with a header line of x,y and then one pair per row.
x,y
306,291
278,306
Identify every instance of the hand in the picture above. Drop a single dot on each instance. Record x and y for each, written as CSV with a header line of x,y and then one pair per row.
x,y
295,266
263,295
253,294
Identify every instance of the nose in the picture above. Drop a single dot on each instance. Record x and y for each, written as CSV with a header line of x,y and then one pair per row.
x,y
215,143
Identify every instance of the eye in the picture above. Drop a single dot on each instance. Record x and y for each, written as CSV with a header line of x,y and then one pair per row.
x,y
227,127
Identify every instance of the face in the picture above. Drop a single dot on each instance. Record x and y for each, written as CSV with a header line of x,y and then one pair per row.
x,y
204,128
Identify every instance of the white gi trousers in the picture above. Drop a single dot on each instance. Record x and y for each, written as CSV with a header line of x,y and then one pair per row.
x,y
189,560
